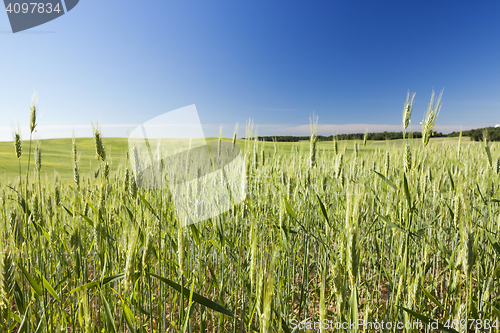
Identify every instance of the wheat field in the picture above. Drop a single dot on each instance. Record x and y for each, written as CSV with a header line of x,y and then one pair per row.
x,y
397,231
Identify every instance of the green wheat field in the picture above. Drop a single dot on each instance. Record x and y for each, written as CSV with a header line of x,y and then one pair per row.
x,y
341,231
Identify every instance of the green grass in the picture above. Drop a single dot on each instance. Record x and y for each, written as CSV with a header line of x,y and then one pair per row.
x,y
325,240
57,159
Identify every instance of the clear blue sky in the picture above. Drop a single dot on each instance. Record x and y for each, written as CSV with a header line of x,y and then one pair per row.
x,y
350,62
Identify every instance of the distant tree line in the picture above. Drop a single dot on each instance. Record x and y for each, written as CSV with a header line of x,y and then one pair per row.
x,y
351,136
475,135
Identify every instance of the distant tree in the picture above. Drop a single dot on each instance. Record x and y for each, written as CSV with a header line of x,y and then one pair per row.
x,y
474,134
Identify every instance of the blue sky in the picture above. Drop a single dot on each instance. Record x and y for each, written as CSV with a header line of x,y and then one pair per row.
x,y
351,62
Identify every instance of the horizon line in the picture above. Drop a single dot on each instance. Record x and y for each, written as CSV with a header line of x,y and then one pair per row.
x,y
212,130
